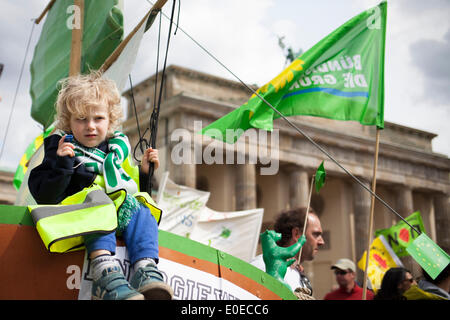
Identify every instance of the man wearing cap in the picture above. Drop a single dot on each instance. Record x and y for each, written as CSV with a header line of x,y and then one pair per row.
x,y
345,272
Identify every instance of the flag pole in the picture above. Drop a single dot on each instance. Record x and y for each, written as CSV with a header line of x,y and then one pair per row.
x,y
306,217
47,9
372,209
154,10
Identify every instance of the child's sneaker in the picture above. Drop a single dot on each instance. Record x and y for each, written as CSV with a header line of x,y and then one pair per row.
x,y
149,281
112,285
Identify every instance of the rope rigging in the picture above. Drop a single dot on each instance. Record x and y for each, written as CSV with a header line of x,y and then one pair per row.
x,y
296,128
153,121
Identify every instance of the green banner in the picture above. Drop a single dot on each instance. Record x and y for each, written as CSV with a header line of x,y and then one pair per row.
x,y
102,32
429,255
319,178
401,235
341,78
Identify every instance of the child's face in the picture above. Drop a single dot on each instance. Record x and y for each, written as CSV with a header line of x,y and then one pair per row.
x,y
91,129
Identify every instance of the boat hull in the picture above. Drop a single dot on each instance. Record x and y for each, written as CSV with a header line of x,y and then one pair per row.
x,y
195,271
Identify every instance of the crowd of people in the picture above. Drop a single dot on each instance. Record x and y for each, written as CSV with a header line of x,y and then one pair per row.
x,y
397,283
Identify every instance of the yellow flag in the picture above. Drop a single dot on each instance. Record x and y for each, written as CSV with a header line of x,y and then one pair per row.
x,y
381,259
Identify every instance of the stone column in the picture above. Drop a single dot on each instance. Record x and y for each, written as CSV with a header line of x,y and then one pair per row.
x,y
185,174
405,207
299,188
182,166
361,207
245,186
442,214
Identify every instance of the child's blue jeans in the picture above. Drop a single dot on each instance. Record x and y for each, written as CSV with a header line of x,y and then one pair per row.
x,y
140,236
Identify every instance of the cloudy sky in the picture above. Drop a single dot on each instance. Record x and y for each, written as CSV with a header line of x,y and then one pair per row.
x,y
243,35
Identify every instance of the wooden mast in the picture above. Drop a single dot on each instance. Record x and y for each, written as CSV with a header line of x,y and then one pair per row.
x,y
77,38
77,35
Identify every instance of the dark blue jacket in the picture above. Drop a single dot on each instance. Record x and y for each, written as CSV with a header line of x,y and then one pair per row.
x,y
57,177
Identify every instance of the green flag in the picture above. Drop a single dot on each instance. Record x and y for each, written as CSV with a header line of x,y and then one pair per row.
x,y
401,235
429,255
102,32
29,152
319,178
341,78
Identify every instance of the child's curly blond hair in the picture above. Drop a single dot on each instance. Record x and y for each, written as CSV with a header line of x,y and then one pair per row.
x,y
80,93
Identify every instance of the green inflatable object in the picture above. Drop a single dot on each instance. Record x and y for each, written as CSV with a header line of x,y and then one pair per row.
x,y
276,257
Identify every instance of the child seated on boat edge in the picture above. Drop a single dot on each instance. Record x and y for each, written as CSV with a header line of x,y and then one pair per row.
x,y
88,107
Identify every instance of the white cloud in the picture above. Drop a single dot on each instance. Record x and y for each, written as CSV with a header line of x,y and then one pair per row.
x,y
412,22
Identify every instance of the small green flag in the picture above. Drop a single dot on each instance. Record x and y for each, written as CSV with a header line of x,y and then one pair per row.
x,y
320,177
341,77
429,255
